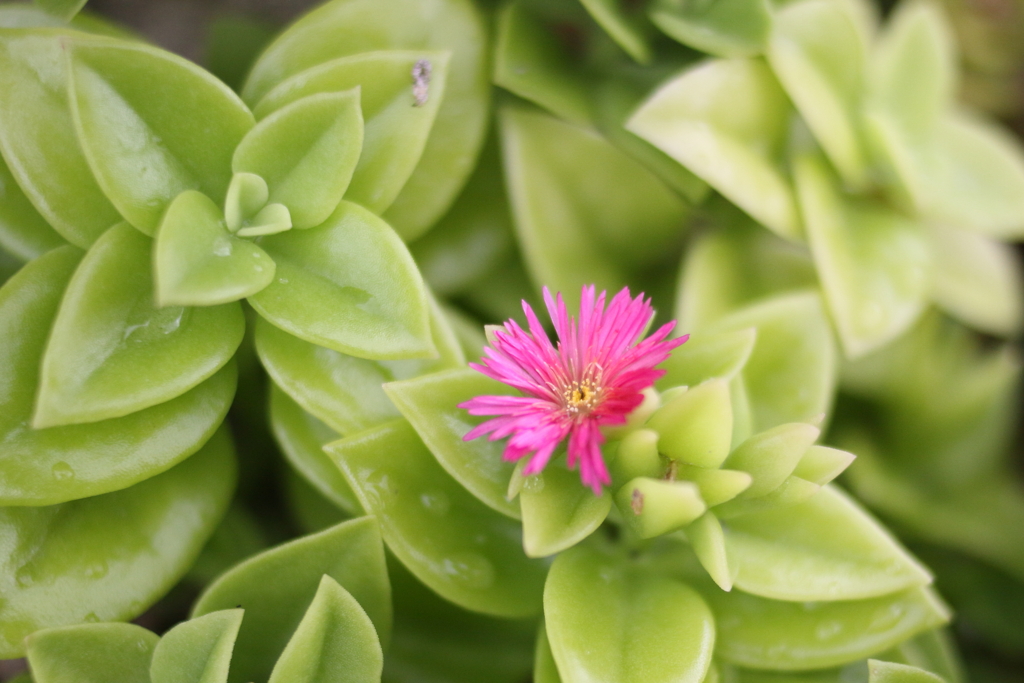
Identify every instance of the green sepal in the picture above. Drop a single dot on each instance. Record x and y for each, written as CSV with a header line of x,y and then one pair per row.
x,y
306,152
462,549
142,141
349,284
607,619
558,511
198,650
198,262
91,653
334,643
696,426
772,455
653,507
71,564
276,587
728,28
108,333
728,122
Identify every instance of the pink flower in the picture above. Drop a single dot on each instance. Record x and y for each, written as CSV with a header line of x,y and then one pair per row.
x,y
593,378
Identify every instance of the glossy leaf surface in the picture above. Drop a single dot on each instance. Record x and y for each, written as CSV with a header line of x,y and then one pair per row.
x,y
23,232
794,636
38,138
397,124
95,559
430,403
608,621
198,650
197,262
890,672
143,142
350,285
92,653
727,121
306,152
460,548
276,587
108,333
345,27
559,511
696,426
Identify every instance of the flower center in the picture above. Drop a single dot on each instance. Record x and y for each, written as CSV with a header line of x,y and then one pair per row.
x,y
581,397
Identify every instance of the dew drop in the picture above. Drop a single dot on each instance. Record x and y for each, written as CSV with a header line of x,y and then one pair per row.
x,y
470,569
827,630
222,247
97,570
436,502
25,578
283,280
534,484
62,471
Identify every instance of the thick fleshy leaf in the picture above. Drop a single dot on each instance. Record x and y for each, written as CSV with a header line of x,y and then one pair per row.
x,y
350,285
306,151
727,121
579,204
791,374
397,121
607,620
23,232
302,437
277,586
559,511
707,538
625,24
92,653
696,426
545,670
728,28
65,9
889,672
873,262
532,63
334,643
38,138
772,455
343,28
198,650
430,403
799,636
460,548
827,548
109,333
95,559
141,141
197,262
822,464
653,507
977,280
343,391
819,50
706,356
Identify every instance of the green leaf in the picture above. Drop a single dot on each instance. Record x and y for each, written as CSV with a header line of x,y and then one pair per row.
x,y
888,672
108,334
706,536
460,548
653,507
302,437
609,621
827,548
95,559
65,9
532,63
696,426
544,668
343,28
819,51
579,203
91,653
821,464
350,285
625,24
727,121
430,403
791,375
23,232
707,356
977,280
772,455
152,126
335,641
343,391
800,636
197,262
559,511
874,263
728,28
397,124
306,152
276,587
197,651
38,138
